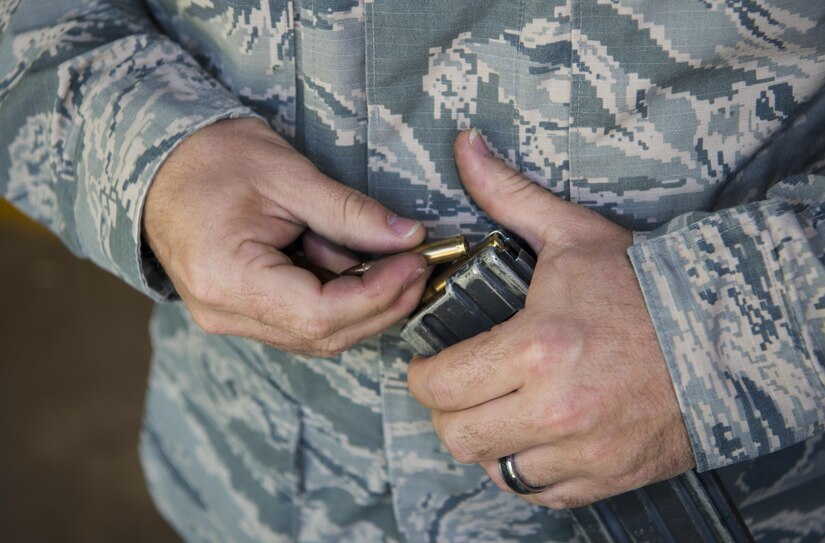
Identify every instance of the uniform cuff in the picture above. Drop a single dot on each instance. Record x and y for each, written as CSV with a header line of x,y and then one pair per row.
x,y
129,106
724,296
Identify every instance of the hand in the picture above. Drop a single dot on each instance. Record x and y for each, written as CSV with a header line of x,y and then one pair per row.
x,y
230,197
575,383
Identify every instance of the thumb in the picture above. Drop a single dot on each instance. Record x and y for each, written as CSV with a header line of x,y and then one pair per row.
x,y
511,199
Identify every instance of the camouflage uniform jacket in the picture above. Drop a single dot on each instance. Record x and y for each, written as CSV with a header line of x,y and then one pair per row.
x,y
699,124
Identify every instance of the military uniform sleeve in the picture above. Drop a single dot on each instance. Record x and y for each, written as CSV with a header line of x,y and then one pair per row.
x,y
738,301
92,99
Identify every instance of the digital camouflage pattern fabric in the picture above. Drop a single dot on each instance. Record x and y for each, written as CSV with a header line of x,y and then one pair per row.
x,y
699,124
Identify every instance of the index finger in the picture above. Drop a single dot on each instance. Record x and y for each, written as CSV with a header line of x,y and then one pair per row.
x,y
292,299
467,374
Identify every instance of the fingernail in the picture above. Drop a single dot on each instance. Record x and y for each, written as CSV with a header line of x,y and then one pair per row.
x,y
477,143
401,226
413,277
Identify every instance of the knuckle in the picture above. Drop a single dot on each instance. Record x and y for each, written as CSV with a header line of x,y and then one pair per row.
x,y
536,352
472,369
205,289
490,346
469,444
635,473
628,480
355,206
316,328
209,323
560,418
454,442
440,390
520,187
544,344
335,345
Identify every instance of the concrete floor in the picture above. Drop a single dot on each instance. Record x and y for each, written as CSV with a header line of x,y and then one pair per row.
x,y
73,363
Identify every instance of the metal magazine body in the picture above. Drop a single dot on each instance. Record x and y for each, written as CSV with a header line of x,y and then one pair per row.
x,y
489,288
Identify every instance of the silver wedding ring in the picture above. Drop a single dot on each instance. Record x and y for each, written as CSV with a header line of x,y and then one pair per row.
x,y
507,466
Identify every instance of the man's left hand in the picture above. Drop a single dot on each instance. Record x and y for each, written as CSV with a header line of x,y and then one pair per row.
x,y
575,384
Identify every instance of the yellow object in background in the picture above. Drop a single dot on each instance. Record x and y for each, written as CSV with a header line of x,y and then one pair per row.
x,y
10,217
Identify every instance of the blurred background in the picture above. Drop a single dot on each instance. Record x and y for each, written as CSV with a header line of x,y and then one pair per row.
x,y
74,357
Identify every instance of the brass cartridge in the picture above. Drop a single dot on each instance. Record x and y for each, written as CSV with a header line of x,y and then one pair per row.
x,y
434,252
438,283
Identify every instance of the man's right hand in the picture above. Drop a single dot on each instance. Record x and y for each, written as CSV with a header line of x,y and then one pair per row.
x,y
234,194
